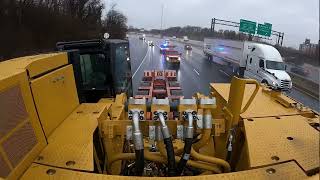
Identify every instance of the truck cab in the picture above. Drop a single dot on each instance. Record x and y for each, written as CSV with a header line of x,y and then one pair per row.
x,y
264,63
101,67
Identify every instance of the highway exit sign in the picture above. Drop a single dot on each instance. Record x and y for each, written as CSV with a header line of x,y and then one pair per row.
x,y
247,26
264,29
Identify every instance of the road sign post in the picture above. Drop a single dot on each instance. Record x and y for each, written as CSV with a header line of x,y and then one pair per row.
x,y
247,26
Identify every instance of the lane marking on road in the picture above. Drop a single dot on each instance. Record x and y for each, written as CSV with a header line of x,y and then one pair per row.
x,y
140,64
224,73
196,72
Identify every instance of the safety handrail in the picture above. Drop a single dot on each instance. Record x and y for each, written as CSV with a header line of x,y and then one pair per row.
x,y
250,81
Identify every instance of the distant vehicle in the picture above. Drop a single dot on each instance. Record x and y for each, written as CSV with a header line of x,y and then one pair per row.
x,y
187,47
174,37
150,43
172,56
142,36
300,71
251,60
185,38
165,47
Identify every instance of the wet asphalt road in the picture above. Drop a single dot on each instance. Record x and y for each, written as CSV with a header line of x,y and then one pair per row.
x,y
195,71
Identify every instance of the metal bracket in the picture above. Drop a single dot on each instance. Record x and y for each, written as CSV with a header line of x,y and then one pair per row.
x,y
129,132
159,136
200,121
207,101
152,133
180,129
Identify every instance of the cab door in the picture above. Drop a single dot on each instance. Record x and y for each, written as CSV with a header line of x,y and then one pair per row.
x,y
250,68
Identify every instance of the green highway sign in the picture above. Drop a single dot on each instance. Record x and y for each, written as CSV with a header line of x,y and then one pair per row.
x,y
247,26
264,29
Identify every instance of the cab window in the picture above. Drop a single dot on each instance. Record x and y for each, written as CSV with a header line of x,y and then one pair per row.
x,y
261,63
93,71
122,69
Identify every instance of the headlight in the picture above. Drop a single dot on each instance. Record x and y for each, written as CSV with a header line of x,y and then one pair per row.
x,y
179,58
128,59
167,58
274,83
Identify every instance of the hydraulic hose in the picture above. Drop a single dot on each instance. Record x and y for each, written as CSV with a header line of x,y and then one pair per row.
x,y
120,156
156,157
196,164
187,145
205,137
213,160
169,146
138,144
206,132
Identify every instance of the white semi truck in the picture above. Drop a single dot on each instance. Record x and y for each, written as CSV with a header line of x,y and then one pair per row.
x,y
251,60
185,38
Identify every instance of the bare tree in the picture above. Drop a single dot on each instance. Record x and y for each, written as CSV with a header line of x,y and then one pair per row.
x,y
115,23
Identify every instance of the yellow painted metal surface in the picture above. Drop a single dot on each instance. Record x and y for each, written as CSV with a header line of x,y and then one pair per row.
x,y
55,96
35,65
69,128
289,169
20,81
46,63
286,138
263,105
73,139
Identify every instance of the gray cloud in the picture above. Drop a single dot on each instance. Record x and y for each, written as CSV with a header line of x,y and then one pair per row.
x,y
298,19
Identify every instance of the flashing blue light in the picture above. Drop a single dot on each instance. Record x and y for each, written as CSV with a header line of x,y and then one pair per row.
x,y
220,48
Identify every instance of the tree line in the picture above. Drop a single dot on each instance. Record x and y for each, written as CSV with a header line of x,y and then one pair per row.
x,y
197,33
33,26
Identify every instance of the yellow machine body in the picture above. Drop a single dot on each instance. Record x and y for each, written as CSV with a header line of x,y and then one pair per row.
x,y
46,133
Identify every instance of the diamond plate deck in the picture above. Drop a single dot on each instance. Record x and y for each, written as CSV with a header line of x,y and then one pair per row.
x,y
271,140
289,170
73,139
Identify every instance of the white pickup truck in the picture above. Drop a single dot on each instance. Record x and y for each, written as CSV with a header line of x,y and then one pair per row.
x,y
251,60
185,38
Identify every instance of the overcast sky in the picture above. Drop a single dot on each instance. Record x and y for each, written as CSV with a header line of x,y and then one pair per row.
x,y
298,19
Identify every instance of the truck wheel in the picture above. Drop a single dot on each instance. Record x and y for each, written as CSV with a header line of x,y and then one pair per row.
x,y
265,82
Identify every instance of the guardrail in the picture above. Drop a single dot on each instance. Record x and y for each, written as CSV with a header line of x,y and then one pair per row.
x,y
307,86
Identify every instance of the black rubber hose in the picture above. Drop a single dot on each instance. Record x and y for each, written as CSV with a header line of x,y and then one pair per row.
x,y
171,157
185,156
139,162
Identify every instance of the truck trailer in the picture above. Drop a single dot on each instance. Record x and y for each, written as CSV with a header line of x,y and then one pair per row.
x,y
251,60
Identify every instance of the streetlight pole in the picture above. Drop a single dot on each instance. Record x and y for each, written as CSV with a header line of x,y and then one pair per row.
x,y
161,20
